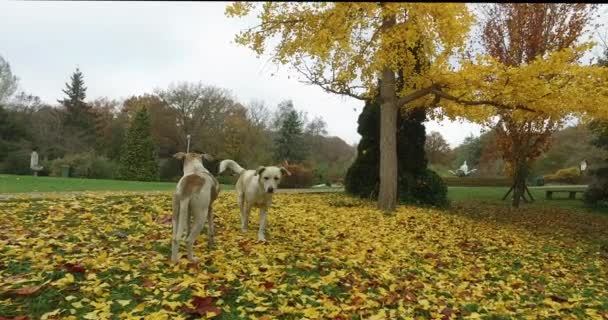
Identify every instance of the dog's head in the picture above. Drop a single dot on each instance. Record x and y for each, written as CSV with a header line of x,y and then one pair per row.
x,y
192,160
270,177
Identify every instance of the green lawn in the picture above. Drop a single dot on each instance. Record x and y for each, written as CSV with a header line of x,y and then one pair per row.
x,y
493,196
487,195
16,184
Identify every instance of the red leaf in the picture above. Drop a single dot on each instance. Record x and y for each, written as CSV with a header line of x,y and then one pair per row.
x,y
74,268
410,297
430,256
203,305
164,219
21,318
447,313
26,291
268,285
147,283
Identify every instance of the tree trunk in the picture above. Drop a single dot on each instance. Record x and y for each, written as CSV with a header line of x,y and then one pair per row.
x,y
519,181
387,196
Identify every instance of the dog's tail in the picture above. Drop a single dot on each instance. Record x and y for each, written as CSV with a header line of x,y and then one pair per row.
x,y
232,165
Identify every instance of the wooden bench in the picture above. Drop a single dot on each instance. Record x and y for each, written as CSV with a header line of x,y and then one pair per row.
x,y
571,192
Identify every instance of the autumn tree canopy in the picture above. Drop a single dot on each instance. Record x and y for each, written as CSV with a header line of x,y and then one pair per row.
x,y
346,47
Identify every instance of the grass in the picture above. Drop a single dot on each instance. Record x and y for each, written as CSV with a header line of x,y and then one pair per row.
x,y
19,184
493,196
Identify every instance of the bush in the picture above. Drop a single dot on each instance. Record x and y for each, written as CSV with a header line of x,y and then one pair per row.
x,y
170,169
225,179
425,189
598,188
17,162
102,168
568,175
300,177
85,165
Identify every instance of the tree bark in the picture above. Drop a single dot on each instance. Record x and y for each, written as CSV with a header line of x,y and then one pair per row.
x,y
387,196
519,182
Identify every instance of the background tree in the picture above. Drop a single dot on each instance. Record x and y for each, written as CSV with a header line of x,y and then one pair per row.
x,y
598,188
200,111
289,141
436,148
343,47
516,34
167,137
138,156
79,121
8,81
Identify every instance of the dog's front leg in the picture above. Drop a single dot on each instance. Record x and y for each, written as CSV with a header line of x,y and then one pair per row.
x,y
262,230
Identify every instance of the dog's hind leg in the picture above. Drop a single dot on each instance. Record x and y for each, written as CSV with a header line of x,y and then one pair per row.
x,y
245,208
211,229
200,217
181,221
175,206
245,216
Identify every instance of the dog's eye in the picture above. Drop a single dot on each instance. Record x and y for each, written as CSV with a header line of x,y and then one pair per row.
x,y
276,178
266,178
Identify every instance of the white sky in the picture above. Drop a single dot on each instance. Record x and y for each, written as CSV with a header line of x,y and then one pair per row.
x,y
131,48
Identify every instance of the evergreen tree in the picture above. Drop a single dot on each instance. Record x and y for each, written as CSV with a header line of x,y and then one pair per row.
x,y
289,142
138,156
598,188
416,184
79,121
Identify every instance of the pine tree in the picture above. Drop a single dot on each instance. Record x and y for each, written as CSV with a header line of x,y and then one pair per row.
x,y
289,143
79,121
138,156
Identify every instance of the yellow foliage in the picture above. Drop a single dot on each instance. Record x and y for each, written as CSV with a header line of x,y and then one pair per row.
x,y
344,46
328,256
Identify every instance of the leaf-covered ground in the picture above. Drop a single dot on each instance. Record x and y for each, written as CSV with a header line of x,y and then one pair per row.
x,y
327,256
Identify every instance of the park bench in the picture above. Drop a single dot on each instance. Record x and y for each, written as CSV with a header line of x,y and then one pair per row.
x,y
571,190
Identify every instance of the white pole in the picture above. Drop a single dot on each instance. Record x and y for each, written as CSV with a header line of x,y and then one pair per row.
x,y
188,147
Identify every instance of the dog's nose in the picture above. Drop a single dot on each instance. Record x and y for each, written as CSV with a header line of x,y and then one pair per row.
x,y
270,190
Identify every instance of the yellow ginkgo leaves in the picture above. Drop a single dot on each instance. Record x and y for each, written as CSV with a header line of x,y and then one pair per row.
x,y
327,256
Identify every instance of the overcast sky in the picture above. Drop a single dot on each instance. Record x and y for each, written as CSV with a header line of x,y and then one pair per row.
x,y
127,48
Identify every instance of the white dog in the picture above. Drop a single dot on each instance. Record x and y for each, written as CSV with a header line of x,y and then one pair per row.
x,y
194,195
255,188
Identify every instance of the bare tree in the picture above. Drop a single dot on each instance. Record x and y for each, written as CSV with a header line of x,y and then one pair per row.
x,y
8,81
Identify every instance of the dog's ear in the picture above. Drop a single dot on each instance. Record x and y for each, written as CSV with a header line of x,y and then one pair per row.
x,y
285,171
208,157
179,156
260,170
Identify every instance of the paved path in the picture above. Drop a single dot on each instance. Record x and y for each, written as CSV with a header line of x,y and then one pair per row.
x,y
68,194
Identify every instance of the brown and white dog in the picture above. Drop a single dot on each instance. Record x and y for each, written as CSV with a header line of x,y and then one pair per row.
x,y
194,196
255,188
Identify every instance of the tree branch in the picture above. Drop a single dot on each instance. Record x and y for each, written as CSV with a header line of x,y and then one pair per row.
x,y
417,94
440,93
